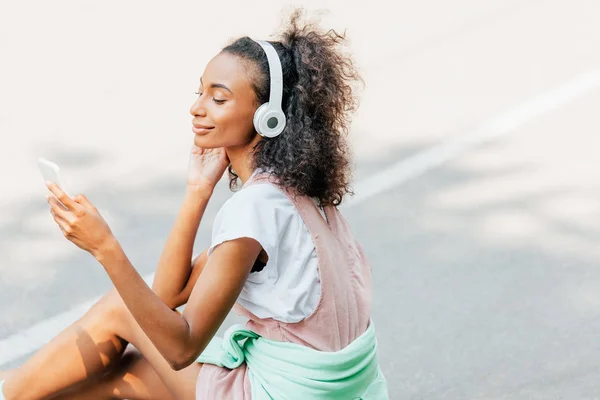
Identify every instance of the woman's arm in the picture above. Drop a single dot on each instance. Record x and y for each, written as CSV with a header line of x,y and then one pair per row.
x,y
182,338
174,270
197,266
215,293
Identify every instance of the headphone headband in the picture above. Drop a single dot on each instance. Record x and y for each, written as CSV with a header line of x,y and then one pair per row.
x,y
275,72
269,119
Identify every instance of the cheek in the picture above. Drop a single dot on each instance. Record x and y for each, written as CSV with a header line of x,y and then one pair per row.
x,y
234,120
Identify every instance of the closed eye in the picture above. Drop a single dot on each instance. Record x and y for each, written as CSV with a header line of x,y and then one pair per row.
x,y
218,101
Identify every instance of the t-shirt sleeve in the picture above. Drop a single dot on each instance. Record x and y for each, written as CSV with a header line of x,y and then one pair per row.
x,y
246,214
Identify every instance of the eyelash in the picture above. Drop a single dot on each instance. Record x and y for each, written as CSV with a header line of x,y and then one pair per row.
x,y
215,100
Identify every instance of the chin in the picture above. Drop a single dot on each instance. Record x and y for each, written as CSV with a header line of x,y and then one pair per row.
x,y
213,142
206,143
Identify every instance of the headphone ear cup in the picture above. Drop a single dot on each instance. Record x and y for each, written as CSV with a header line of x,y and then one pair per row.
x,y
269,122
275,121
260,111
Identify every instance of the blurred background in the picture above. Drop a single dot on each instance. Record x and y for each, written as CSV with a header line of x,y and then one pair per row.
x,y
477,177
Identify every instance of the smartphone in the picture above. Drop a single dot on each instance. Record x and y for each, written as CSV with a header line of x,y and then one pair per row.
x,y
50,171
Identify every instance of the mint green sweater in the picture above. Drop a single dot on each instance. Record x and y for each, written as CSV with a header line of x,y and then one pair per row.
x,y
279,370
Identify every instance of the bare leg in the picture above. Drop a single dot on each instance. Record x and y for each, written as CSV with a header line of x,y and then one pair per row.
x,y
133,379
93,345
141,374
83,351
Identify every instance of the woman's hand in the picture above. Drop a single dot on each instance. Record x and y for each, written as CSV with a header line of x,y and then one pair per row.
x,y
206,166
79,220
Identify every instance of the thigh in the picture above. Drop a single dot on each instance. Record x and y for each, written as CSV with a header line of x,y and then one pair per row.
x,y
133,378
181,384
136,379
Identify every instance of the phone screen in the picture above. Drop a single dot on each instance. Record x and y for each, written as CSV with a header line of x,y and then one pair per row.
x,y
50,171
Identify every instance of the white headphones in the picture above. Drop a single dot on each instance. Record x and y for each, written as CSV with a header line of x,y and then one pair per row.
x,y
269,119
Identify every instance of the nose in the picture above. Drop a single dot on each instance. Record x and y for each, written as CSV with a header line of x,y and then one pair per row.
x,y
198,107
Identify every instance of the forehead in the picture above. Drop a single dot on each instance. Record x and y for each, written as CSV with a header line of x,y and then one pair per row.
x,y
229,70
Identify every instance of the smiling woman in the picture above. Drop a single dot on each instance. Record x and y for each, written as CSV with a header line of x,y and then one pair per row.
x,y
276,114
225,105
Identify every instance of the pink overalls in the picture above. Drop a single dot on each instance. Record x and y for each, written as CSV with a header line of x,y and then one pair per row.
x,y
341,315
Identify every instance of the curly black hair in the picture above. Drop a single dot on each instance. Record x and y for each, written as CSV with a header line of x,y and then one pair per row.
x,y
311,155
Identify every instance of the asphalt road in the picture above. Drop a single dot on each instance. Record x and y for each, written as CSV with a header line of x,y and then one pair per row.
x,y
485,253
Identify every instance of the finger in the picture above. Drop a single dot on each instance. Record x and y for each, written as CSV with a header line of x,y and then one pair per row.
x,y
195,150
60,211
58,203
51,196
62,196
62,224
83,200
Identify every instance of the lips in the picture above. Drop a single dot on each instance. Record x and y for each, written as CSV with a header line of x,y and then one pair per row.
x,y
201,129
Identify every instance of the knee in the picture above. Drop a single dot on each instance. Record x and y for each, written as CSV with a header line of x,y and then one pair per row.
x,y
111,307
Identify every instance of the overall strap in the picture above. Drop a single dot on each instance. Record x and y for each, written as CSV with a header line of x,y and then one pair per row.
x,y
300,202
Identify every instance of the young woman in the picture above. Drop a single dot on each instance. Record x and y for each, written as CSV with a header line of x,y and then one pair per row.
x,y
281,252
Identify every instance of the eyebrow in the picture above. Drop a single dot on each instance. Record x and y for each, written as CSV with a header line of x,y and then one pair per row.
x,y
218,85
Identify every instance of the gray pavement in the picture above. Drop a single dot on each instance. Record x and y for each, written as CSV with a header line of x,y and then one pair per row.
x,y
486,280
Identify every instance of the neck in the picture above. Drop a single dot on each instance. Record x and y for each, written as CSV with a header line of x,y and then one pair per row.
x,y
241,159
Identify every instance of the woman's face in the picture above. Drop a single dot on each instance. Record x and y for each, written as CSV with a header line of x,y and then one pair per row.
x,y
223,112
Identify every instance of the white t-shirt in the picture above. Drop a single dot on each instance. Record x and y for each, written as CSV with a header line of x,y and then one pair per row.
x,y
288,288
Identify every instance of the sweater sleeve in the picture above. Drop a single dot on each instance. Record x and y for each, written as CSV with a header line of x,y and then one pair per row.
x,y
246,214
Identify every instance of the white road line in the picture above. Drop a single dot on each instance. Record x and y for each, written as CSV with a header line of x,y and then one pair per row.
x,y
25,342
31,339
420,163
